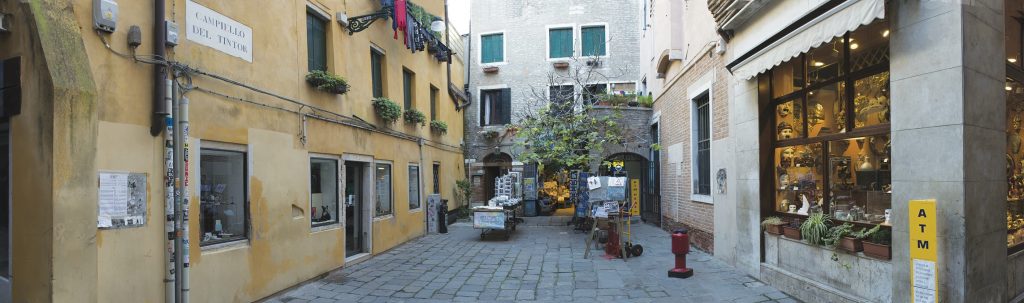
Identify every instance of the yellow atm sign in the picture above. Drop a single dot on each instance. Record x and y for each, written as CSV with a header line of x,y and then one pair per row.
x,y
923,251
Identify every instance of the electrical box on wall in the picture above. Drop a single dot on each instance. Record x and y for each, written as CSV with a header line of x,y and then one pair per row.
x,y
104,15
172,33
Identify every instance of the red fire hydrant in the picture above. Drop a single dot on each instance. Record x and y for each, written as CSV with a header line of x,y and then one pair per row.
x,y
680,247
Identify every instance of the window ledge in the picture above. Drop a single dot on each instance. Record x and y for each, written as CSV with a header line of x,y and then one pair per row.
x,y
493,64
416,210
702,199
226,246
328,227
384,217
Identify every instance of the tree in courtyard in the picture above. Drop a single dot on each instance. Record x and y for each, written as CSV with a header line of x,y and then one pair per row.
x,y
561,128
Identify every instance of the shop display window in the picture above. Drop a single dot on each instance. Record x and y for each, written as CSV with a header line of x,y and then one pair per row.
x,y
871,100
859,180
798,179
383,189
831,132
1014,32
787,78
789,117
826,110
825,62
1014,114
223,203
323,188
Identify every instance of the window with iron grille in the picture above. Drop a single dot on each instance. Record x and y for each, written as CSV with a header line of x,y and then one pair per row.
x,y
437,178
316,42
702,145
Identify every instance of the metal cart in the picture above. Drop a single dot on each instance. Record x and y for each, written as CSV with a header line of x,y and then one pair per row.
x,y
490,219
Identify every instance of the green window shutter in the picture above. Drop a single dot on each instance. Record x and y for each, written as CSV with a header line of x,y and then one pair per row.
x,y
316,42
560,43
594,41
433,103
377,74
492,48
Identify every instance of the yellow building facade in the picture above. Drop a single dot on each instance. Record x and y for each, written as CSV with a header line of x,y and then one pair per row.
x,y
87,108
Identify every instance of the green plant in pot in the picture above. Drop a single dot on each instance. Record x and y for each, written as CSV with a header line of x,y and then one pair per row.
x,y
645,101
439,126
878,244
773,225
854,241
815,228
414,116
327,82
387,110
836,236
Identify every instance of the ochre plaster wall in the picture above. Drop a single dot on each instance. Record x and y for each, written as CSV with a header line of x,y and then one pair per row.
x,y
90,265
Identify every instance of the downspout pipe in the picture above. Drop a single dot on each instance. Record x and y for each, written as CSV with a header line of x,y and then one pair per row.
x,y
160,107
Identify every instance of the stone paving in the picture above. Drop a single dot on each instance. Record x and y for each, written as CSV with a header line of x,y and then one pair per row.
x,y
542,262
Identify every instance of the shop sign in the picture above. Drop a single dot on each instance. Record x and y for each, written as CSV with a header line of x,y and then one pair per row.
x,y
923,252
209,28
489,219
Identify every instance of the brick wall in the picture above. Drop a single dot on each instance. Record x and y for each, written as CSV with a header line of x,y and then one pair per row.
x,y
678,208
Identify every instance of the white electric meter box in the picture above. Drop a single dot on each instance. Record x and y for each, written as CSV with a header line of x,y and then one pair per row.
x,y
104,15
172,33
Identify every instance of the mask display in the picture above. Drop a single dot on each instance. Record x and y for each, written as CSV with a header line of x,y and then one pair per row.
x,y
784,110
786,131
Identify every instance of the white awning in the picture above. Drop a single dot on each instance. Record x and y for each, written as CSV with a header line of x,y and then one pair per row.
x,y
843,18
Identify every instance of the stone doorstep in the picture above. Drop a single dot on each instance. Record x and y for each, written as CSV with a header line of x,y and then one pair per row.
x,y
811,290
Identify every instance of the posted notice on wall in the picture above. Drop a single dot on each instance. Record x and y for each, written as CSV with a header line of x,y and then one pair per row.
x,y
122,200
923,251
208,27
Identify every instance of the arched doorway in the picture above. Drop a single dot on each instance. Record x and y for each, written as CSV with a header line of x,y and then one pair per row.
x,y
495,165
634,167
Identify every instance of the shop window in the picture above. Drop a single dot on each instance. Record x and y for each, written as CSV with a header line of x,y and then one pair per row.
x,y
408,88
316,42
871,100
414,187
323,189
223,203
831,129
560,43
702,145
383,190
1014,115
495,107
433,103
826,112
789,120
377,72
825,62
492,48
594,40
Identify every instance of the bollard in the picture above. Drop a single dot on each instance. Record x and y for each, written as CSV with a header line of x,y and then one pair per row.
x,y
680,247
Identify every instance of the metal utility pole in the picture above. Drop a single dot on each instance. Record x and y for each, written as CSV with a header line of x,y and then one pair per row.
x,y
180,110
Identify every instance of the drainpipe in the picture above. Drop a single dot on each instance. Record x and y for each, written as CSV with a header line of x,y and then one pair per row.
x,y
180,108
160,108
170,286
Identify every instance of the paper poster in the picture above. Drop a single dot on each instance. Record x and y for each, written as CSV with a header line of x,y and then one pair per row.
x,y
593,183
122,200
616,181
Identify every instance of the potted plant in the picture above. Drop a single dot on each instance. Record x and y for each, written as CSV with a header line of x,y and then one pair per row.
x,y
815,228
327,82
854,241
773,225
439,127
387,110
878,245
414,116
645,101
837,235
792,230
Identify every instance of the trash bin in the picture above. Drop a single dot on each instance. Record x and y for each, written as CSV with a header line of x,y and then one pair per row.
x,y
531,208
442,217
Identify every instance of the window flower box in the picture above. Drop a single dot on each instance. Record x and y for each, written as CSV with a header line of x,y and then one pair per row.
x,y
387,110
327,82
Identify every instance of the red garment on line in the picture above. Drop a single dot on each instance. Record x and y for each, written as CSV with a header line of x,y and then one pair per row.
x,y
400,17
